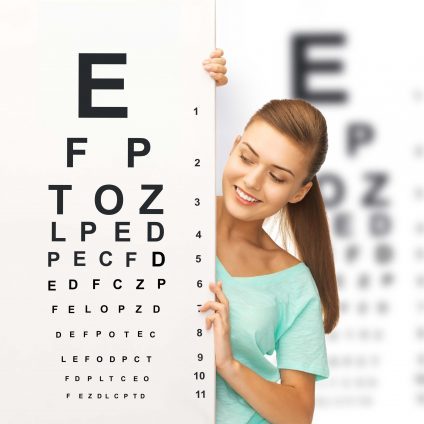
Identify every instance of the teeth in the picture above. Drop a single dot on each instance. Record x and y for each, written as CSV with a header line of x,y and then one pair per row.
x,y
245,196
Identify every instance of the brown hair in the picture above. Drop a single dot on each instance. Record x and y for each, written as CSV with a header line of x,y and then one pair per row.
x,y
305,222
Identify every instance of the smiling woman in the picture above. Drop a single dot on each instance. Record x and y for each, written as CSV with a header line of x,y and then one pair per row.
x,y
253,171
268,300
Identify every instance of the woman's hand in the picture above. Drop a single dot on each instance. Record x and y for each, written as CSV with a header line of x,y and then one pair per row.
x,y
215,65
221,326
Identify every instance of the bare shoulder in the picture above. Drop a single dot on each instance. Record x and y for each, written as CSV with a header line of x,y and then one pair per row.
x,y
278,258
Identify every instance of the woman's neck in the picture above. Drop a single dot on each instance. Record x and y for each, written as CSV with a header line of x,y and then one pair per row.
x,y
232,230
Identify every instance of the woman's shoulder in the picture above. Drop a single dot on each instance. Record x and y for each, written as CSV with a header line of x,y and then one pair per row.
x,y
303,280
278,258
281,257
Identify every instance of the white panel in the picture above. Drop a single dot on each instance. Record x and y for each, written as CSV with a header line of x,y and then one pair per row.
x,y
164,42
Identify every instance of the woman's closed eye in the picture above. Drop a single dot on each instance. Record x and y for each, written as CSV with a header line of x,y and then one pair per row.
x,y
244,159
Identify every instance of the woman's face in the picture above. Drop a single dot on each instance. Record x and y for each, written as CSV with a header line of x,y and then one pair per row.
x,y
256,174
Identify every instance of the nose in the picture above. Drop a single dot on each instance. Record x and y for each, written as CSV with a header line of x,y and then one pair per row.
x,y
253,180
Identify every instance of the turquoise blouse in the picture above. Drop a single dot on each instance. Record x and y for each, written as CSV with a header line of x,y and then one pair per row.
x,y
278,312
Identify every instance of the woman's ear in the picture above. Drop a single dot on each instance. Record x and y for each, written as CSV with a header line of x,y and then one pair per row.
x,y
301,193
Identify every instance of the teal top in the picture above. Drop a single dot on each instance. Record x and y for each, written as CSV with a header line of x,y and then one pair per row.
x,y
278,312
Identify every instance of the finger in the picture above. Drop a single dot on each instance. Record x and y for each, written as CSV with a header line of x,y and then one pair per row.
x,y
214,319
217,53
220,60
219,308
217,288
216,306
219,78
215,67
221,81
209,320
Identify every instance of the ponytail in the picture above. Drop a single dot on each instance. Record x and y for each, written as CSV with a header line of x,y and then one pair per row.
x,y
306,222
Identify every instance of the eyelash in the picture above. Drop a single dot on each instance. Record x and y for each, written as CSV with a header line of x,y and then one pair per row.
x,y
244,159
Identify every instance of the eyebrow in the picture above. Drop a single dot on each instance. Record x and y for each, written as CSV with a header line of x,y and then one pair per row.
x,y
276,166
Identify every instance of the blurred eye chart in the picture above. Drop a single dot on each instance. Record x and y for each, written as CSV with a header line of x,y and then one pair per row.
x,y
107,212
362,64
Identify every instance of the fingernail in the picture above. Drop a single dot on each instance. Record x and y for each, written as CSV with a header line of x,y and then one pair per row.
x,y
206,61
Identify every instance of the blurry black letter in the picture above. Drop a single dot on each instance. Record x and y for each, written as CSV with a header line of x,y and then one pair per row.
x,y
302,67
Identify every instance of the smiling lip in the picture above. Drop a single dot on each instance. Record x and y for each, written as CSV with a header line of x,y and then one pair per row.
x,y
247,193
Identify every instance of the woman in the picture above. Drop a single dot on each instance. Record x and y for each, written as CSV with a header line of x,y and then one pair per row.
x,y
267,299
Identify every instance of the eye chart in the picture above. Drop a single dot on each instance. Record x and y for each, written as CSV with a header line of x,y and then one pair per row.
x,y
108,219
362,64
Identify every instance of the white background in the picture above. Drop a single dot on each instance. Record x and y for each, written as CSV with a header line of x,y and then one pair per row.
x,y
376,358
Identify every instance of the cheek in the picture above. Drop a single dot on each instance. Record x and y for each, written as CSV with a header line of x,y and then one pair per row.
x,y
277,194
232,170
